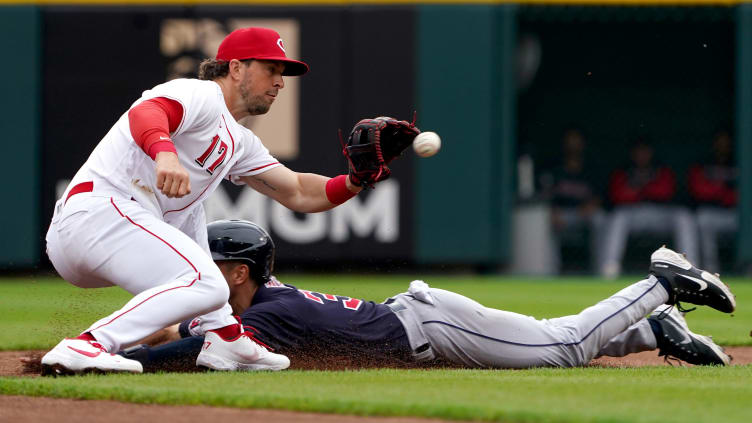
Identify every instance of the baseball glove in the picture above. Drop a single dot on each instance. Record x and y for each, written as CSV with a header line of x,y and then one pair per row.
x,y
373,144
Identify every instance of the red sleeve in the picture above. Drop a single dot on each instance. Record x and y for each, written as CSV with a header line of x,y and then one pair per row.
x,y
730,197
708,191
619,190
661,188
151,123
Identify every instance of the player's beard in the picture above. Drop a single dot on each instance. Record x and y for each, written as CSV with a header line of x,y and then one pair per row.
x,y
255,104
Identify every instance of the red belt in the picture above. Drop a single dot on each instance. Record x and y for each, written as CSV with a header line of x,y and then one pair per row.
x,y
79,188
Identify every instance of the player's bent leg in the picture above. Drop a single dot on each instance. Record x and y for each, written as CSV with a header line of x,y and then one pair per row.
x,y
637,338
162,306
511,340
173,277
228,347
666,330
589,331
466,332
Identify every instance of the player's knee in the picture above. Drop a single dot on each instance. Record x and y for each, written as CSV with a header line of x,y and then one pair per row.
x,y
216,285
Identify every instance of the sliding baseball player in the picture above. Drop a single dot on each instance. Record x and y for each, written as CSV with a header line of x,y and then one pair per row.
x,y
425,324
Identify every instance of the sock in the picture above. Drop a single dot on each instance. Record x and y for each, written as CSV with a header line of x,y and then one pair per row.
x,y
657,330
228,332
86,336
665,284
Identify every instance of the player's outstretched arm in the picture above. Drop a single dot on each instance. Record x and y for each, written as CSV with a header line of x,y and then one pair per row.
x,y
302,192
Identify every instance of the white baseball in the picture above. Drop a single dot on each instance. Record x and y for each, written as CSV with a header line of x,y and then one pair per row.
x,y
426,144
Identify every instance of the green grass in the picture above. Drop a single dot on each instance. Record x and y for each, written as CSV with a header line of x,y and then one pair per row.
x,y
540,395
36,313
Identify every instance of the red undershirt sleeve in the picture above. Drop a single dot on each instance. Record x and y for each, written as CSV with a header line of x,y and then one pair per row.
x,y
151,123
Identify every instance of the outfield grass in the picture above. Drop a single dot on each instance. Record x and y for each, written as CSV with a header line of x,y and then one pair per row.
x,y
37,313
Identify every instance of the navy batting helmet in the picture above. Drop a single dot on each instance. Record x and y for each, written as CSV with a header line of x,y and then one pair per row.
x,y
244,241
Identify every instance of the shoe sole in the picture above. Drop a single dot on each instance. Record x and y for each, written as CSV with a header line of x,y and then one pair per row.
x,y
713,346
214,362
55,370
56,364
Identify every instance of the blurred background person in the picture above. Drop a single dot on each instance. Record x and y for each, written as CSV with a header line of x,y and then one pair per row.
x,y
642,195
576,212
712,186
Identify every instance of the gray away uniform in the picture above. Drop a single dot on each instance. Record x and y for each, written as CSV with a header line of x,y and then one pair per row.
x,y
464,331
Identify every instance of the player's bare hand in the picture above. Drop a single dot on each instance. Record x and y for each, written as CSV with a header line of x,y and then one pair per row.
x,y
172,179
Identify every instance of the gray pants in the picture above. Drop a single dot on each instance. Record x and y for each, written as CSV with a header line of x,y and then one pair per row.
x,y
712,222
463,331
572,222
643,218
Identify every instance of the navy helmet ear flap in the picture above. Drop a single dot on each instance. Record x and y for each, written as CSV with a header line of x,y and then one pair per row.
x,y
244,241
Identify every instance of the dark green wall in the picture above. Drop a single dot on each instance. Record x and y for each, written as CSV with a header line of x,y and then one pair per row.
x,y
744,130
19,108
465,89
465,78
670,80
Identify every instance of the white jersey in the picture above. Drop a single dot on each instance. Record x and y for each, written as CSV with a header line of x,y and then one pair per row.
x,y
154,247
210,145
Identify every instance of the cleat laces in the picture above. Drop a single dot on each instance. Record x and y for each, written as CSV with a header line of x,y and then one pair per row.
x,y
684,310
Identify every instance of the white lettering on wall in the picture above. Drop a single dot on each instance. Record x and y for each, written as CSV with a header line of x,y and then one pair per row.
x,y
376,214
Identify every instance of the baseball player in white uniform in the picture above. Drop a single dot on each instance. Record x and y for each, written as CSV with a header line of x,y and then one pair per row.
x,y
132,216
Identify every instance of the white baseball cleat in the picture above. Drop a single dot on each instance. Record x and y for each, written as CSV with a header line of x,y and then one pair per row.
x,y
689,283
240,353
76,356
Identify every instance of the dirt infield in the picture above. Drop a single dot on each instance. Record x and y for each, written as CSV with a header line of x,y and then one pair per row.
x,y
11,363
37,409
740,356
54,410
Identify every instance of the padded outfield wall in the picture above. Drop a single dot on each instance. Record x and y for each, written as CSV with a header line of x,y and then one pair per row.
x,y
454,64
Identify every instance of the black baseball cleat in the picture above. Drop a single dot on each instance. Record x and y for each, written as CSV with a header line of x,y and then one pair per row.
x,y
676,340
690,284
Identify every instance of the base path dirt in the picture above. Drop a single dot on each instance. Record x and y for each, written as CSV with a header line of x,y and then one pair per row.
x,y
740,356
12,362
19,409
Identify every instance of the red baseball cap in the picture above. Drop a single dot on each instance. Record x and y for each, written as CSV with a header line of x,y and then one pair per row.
x,y
258,43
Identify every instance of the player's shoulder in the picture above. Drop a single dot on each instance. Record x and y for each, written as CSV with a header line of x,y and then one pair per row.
x,y
273,290
186,88
247,134
188,83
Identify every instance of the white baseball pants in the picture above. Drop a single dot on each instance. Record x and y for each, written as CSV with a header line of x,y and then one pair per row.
x,y
97,241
